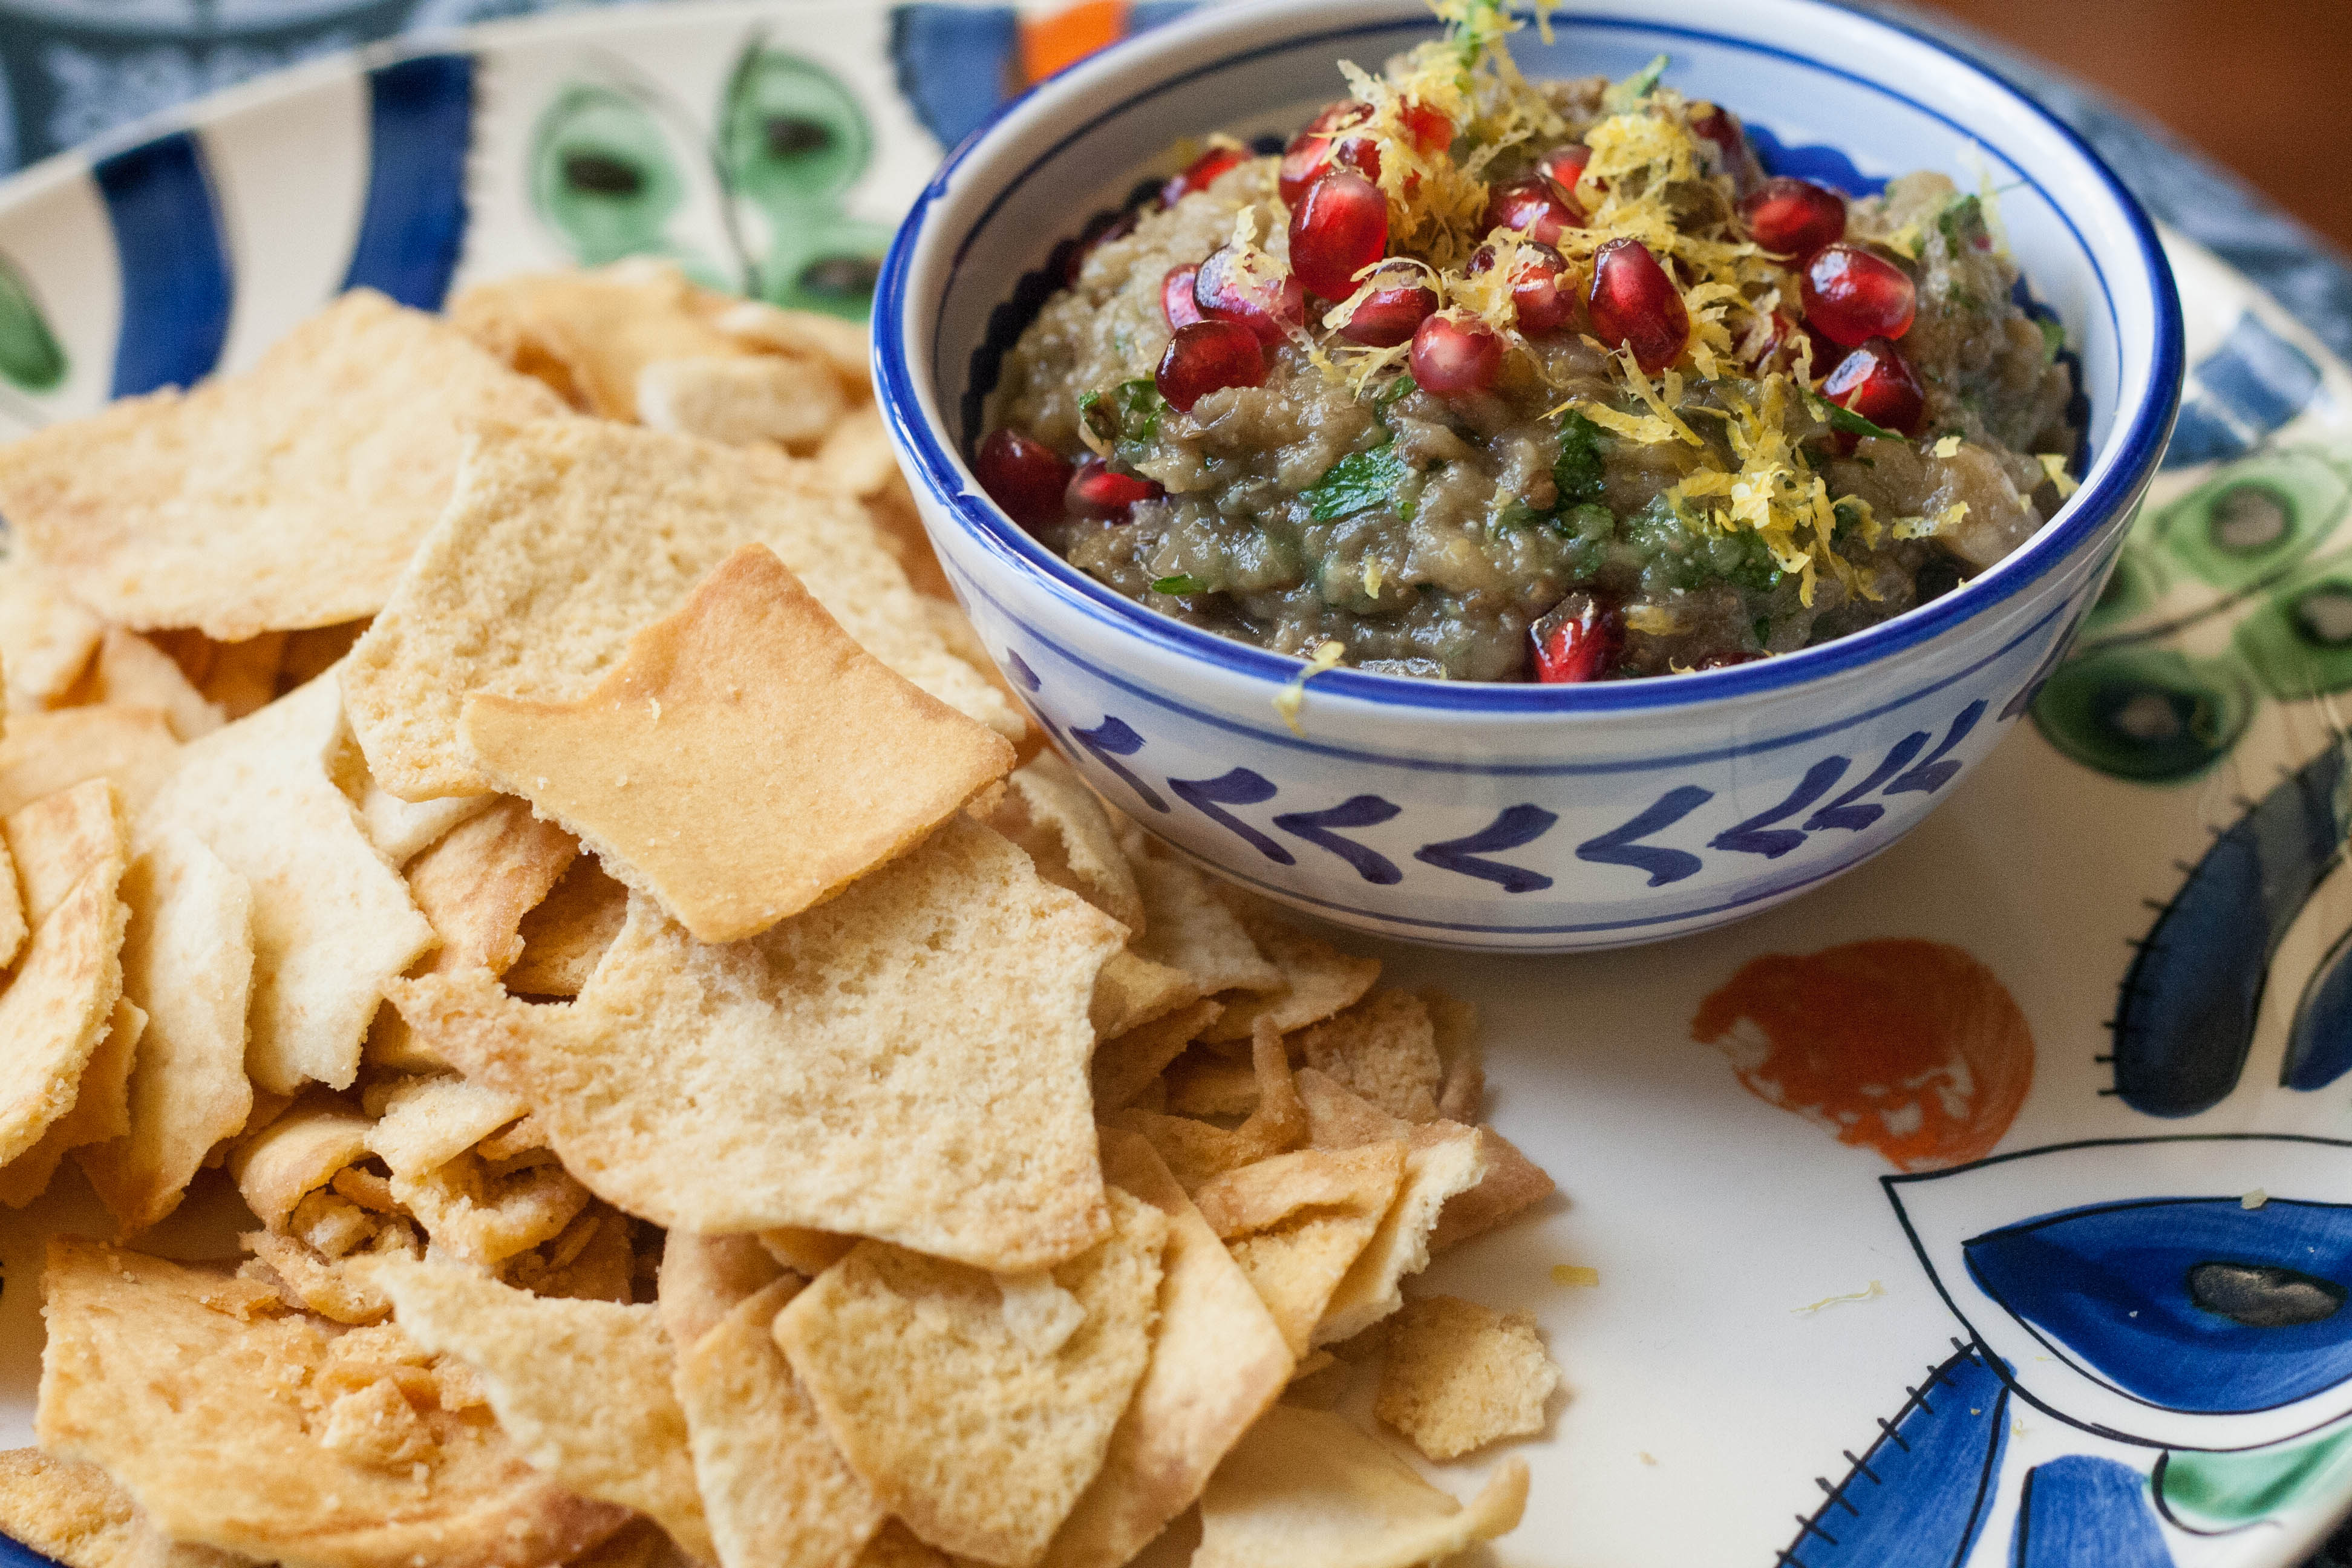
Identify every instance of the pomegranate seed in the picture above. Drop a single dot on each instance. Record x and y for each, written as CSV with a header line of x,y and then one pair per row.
x,y
1100,229
1721,127
1199,174
1224,294
1431,131
1635,304
1388,315
1096,491
1535,300
1563,166
1853,296
1876,382
1317,150
1794,217
1454,358
1027,477
1339,229
1578,641
1206,357
1533,206
1176,301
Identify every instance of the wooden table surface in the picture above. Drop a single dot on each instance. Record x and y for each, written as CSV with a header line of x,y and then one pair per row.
x,y
2265,89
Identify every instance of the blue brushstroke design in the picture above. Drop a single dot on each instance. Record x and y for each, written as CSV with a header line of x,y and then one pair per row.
x,y
2116,1289
2185,1020
1811,162
177,284
2249,387
420,127
1916,1497
2080,1510
955,63
2319,1046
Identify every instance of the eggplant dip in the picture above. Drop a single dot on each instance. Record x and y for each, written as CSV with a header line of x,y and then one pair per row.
x,y
1487,379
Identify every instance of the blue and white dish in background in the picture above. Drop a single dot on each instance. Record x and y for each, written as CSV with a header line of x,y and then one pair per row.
x,y
1792,1356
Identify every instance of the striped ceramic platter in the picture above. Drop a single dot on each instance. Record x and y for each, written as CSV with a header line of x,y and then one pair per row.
x,y
1989,1205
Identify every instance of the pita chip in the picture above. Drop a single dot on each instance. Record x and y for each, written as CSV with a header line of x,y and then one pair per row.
x,y
1459,1377
1201,1083
332,921
45,753
1337,1119
1318,981
134,673
1186,927
1443,1161
581,1387
805,1252
777,1492
423,1123
844,346
46,637
60,1003
704,1278
236,1425
1218,1360
708,768
566,936
61,839
736,399
980,1437
75,1513
187,962
1309,1489
242,677
1058,821
1454,1025
1297,1225
297,1155
314,650
403,830
592,334
1197,1151
1125,1066
12,928
1383,1049
100,1110
474,886
566,536
941,1103
291,495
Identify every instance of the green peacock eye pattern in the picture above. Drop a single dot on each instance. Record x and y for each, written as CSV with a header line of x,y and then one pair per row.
x,y
2144,713
601,174
30,357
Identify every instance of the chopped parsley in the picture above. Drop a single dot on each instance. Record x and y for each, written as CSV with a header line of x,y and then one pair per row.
x,y
1841,417
1962,221
1131,412
1395,392
1180,584
2054,338
1357,482
1623,95
1579,471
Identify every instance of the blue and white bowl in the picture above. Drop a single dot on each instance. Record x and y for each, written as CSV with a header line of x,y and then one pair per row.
x,y
1526,818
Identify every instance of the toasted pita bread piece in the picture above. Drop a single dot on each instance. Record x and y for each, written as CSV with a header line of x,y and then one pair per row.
x,y
1337,1119
591,334
242,677
46,637
134,672
45,753
100,1110
980,1436
291,495
1124,1066
421,1123
403,830
1053,817
564,537
581,1387
712,766
1454,1026
1459,1377
238,1425
805,1252
187,961
1131,992
1319,980
331,922
778,1492
1297,1224
60,1003
1441,1161
738,399
566,936
844,346
704,1278
1198,1151
1218,1360
75,1513
298,1154
1309,1489
474,886
13,927
1384,1049
940,1103
1187,927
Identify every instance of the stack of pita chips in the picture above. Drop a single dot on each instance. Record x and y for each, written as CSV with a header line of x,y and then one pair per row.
x,y
508,795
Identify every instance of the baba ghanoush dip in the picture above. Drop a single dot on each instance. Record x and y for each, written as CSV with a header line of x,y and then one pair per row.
x,y
1488,379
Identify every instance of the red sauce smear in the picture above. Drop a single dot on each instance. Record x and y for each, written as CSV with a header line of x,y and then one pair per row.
x,y
1909,1048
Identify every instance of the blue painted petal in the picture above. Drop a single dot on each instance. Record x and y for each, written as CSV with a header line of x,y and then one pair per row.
x,y
420,127
2319,1046
2086,1512
955,63
176,285
1918,1496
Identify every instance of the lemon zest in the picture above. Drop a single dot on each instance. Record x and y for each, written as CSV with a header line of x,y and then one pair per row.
x,y
1292,695
1654,619
2053,467
1374,571
1575,1274
1950,446
1930,527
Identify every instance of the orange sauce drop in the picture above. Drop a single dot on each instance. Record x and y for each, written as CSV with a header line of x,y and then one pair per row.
x,y
1909,1048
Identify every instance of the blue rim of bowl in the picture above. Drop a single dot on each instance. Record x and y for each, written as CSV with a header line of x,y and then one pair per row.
x,y
2138,450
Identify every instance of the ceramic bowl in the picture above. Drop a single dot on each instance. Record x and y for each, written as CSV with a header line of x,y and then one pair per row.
x,y
1535,819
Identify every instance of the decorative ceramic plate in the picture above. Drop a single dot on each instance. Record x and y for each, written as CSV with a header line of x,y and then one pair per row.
x,y
1993,1204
